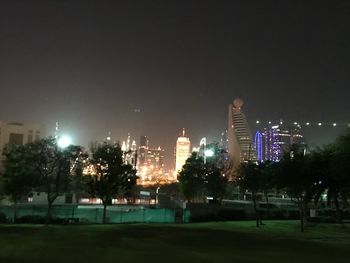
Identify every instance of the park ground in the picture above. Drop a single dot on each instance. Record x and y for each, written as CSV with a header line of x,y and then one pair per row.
x,y
276,241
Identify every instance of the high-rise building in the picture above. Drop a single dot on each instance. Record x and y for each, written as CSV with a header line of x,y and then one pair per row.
x,y
150,164
258,145
129,152
183,150
143,150
155,158
18,134
224,141
279,138
240,142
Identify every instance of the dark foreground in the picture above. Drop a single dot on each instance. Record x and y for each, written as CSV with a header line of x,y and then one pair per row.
x,y
277,241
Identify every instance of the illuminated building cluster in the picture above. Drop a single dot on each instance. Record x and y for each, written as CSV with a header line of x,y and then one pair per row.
x,y
151,165
274,140
129,150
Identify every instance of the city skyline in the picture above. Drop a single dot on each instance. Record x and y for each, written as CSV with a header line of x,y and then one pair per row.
x,y
153,67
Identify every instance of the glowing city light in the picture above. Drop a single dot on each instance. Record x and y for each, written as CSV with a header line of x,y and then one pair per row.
x,y
319,124
257,122
258,145
334,124
308,123
209,153
64,141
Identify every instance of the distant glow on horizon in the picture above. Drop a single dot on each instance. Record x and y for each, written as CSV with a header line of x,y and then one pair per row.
x,y
319,124
257,122
334,124
64,141
308,123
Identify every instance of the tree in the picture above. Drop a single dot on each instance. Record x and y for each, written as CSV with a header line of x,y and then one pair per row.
x,y
112,176
79,160
52,164
198,178
267,179
190,178
249,179
296,176
18,177
339,178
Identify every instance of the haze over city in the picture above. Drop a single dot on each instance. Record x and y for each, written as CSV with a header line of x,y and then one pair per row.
x,y
175,131
154,67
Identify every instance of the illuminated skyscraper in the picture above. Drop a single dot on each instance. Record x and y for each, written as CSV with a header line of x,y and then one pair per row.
x,y
279,138
258,146
143,150
240,143
129,152
183,150
155,158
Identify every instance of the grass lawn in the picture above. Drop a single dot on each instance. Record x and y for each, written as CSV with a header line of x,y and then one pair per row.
x,y
277,241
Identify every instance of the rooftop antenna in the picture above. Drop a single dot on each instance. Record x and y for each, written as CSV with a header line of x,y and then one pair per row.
x,y
56,130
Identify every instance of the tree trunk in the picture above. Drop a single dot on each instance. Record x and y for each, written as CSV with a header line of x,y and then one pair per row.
x,y
301,215
305,213
267,205
337,208
15,212
255,210
49,212
104,218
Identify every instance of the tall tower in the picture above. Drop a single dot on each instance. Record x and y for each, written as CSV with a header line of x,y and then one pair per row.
x,y
183,150
279,139
240,143
143,150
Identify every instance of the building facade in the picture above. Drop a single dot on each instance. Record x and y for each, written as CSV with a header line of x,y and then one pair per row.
x,y
278,139
183,150
240,142
18,133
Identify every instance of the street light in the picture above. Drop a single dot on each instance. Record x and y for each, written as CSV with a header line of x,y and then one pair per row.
x,y
157,192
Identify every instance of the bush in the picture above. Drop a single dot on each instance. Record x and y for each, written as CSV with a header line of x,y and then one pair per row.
x,y
220,215
29,219
279,214
3,218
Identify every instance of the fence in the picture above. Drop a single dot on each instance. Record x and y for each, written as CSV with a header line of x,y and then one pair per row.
x,y
94,214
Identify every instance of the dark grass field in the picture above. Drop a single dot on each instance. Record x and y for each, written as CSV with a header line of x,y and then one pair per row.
x,y
277,241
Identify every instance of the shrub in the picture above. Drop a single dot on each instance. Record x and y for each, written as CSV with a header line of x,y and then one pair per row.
x,y
3,218
29,219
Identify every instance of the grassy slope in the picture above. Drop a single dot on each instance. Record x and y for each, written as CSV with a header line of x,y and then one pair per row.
x,y
207,242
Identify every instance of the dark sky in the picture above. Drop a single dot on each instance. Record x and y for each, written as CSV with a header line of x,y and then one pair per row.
x,y
90,64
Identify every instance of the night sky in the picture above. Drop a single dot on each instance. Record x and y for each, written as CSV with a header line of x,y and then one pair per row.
x,y
154,67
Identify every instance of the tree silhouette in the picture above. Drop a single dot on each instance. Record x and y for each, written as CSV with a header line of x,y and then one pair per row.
x,y
112,177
